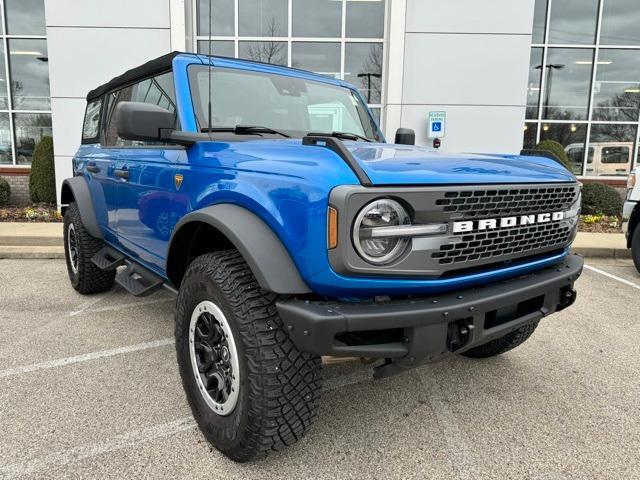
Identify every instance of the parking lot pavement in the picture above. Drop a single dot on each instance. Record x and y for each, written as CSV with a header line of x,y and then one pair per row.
x,y
89,388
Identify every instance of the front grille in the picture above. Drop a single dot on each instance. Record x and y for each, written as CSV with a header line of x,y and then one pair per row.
x,y
450,254
496,202
518,241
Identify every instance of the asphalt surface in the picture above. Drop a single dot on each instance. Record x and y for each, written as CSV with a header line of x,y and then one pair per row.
x,y
89,388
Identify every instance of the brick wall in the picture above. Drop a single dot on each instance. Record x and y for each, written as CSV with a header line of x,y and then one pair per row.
x,y
18,179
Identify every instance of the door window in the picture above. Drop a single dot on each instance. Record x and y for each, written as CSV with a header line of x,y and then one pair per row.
x,y
615,155
158,90
91,126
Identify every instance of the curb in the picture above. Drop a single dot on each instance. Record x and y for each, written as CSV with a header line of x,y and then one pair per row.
x,y
599,252
21,252
30,241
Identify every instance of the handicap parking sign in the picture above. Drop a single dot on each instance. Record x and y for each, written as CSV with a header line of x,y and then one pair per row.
x,y
437,122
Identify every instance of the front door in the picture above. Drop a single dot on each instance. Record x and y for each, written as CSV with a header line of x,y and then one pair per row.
x,y
145,176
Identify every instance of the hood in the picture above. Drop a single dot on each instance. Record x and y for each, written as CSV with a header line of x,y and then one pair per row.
x,y
388,164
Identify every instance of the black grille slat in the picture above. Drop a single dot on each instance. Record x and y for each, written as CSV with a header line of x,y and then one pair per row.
x,y
523,240
482,203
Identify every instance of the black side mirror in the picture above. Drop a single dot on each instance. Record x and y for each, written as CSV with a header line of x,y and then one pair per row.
x,y
144,121
405,136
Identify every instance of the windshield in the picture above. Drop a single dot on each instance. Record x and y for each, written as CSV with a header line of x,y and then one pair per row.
x,y
287,104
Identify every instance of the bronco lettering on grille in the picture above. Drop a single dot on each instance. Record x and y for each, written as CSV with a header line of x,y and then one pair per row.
x,y
504,222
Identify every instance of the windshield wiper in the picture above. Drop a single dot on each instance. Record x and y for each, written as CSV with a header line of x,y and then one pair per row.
x,y
341,135
244,130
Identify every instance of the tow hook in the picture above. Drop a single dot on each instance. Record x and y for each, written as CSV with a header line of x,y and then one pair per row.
x,y
459,334
567,297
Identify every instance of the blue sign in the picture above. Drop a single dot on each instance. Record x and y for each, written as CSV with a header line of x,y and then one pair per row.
x,y
436,126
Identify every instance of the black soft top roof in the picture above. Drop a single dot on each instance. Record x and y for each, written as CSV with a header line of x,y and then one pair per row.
x,y
157,65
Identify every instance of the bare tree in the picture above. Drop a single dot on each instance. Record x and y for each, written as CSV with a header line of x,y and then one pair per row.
x,y
371,75
269,51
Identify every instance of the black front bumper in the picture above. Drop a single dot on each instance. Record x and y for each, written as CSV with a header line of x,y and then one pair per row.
x,y
426,329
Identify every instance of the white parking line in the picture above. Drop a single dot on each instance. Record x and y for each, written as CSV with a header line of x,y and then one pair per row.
x,y
91,302
61,362
121,306
126,440
466,464
614,277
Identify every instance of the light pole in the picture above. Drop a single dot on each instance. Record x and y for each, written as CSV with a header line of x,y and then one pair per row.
x,y
368,77
551,67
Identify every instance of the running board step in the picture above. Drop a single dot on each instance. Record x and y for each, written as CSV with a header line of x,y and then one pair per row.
x,y
138,281
108,258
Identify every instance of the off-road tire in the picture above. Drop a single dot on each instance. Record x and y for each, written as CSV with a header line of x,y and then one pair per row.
x,y
88,278
502,344
279,385
635,247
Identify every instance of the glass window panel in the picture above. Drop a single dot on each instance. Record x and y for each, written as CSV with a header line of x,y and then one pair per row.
x,y
568,78
363,68
222,17
539,19
91,120
323,58
317,18
5,140
533,88
4,102
620,20
617,87
268,52
573,21
262,18
571,136
365,19
29,130
612,149
25,17
530,131
223,48
29,74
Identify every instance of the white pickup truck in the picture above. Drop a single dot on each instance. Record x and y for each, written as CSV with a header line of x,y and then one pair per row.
x,y
631,217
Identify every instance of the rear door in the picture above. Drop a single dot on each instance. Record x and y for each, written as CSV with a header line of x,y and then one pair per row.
x,y
145,173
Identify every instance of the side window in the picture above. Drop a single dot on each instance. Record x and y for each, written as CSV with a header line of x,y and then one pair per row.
x,y
91,126
615,155
158,90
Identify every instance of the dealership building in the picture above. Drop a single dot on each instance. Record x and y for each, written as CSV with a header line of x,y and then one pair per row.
x,y
504,73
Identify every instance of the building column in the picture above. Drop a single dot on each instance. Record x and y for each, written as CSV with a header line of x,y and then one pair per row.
x,y
396,26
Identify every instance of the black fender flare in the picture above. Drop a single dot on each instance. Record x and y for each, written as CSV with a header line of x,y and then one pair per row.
x,y
260,247
76,189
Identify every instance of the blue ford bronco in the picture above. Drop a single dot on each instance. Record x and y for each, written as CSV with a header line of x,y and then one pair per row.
x,y
269,201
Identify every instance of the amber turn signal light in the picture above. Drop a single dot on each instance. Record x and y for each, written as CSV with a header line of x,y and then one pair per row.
x,y
332,228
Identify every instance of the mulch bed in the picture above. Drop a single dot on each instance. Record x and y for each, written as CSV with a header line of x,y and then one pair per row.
x,y
41,212
599,224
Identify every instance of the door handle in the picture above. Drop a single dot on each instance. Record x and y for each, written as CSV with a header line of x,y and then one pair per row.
x,y
92,168
122,173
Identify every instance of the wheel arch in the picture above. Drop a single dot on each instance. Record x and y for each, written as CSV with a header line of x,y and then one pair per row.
x,y
224,226
76,189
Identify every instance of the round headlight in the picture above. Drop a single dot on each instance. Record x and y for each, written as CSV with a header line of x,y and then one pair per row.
x,y
380,250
